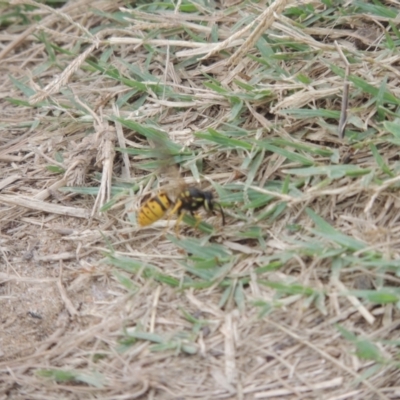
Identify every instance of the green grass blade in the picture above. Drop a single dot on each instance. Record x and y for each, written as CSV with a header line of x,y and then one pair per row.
x,y
327,231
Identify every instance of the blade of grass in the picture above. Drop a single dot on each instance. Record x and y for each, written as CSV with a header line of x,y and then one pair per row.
x,y
327,231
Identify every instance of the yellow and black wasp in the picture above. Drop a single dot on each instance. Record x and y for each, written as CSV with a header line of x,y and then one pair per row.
x,y
179,201
188,200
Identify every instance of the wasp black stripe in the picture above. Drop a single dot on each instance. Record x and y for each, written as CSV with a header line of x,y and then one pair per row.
x,y
160,203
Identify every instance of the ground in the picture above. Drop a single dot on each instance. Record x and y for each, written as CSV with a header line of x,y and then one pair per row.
x,y
287,113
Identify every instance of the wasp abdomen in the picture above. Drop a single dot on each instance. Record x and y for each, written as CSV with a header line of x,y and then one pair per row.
x,y
153,209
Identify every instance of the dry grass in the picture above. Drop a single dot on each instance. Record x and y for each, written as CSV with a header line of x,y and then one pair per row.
x,y
296,297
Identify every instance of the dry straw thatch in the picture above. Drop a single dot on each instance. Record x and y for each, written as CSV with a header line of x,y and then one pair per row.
x,y
288,110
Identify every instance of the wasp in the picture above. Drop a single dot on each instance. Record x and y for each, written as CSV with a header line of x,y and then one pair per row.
x,y
188,200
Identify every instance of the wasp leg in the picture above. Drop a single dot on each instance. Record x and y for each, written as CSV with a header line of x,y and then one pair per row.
x,y
166,228
176,208
178,221
221,211
197,217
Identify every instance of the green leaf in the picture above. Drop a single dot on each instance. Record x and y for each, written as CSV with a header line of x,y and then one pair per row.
x,y
304,146
290,289
327,231
25,89
95,379
309,113
365,86
152,134
59,157
201,249
375,9
236,109
272,266
225,296
255,164
55,169
393,128
57,375
351,337
150,337
214,136
366,350
382,296
380,161
239,296
126,282
332,171
294,157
